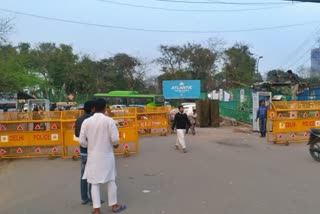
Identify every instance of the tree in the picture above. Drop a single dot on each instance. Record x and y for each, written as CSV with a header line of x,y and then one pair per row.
x,y
277,75
128,69
219,80
239,65
53,64
200,63
84,77
14,76
119,72
171,59
257,77
5,28
190,61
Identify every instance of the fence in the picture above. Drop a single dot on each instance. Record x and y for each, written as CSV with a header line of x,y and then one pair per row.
x,y
237,104
290,121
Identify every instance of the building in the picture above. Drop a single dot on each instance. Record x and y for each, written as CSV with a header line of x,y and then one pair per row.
x,y
315,62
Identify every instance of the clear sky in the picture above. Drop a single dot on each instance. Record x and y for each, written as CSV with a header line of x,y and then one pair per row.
x,y
280,47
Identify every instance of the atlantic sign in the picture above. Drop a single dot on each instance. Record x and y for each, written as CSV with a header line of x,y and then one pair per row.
x,y
178,89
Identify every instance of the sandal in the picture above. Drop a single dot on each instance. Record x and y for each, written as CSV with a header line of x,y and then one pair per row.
x,y
120,208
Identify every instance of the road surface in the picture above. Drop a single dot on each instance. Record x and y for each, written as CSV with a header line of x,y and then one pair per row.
x,y
224,172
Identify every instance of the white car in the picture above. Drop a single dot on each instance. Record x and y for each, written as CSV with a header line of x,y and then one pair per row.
x,y
117,110
117,107
188,108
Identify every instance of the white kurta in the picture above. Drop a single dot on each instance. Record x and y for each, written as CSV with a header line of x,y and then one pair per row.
x,y
99,133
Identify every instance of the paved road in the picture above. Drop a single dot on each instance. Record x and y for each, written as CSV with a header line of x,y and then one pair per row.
x,y
225,172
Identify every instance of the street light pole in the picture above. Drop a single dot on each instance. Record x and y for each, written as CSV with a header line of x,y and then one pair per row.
x,y
257,67
258,60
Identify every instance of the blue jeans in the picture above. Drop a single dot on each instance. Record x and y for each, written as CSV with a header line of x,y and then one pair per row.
x,y
263,126
85,188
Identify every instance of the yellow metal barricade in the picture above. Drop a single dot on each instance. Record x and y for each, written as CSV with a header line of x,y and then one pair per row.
x,y
127,127
71,145
51,133
153,121
32,134
291,121
126,123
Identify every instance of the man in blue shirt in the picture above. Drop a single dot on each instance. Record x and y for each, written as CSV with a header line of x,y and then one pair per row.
x,y
262,116
85,189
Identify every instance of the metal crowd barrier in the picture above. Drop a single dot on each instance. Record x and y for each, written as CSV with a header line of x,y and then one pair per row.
x,y
290,121
32,134
153,121
51,133
126,123
71,144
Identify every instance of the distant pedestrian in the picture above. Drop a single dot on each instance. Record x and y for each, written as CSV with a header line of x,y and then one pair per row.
x,y
5,108
100,135
192,118
294,79
180,123
262,116
85,188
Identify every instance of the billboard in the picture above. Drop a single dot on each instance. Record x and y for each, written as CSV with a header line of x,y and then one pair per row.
x,y
180,89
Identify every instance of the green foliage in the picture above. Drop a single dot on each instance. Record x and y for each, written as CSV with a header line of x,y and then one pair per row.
x,y
239,65
53,71
189,61
257,77
277,75
14,75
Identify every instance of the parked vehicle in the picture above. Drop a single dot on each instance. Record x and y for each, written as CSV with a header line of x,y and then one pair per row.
x,y
188,108
131,97
314,144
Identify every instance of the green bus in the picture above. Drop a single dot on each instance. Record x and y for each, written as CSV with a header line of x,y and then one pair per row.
x,y
131,98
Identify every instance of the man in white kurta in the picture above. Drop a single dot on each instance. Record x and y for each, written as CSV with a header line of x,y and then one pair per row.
x,y
100,135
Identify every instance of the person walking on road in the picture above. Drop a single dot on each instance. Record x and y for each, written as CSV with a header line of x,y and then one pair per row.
x,y
100,135
294,79
84,187
262,116
180,123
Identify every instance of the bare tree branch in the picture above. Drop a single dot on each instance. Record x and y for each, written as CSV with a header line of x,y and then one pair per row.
x,y
6,27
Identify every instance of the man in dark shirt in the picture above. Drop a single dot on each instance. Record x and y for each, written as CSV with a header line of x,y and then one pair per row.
x,y
180,122
294,79
85,189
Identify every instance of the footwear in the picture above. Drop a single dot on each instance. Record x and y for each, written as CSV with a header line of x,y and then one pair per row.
x,y
120,208
177,147
85,202
184,150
